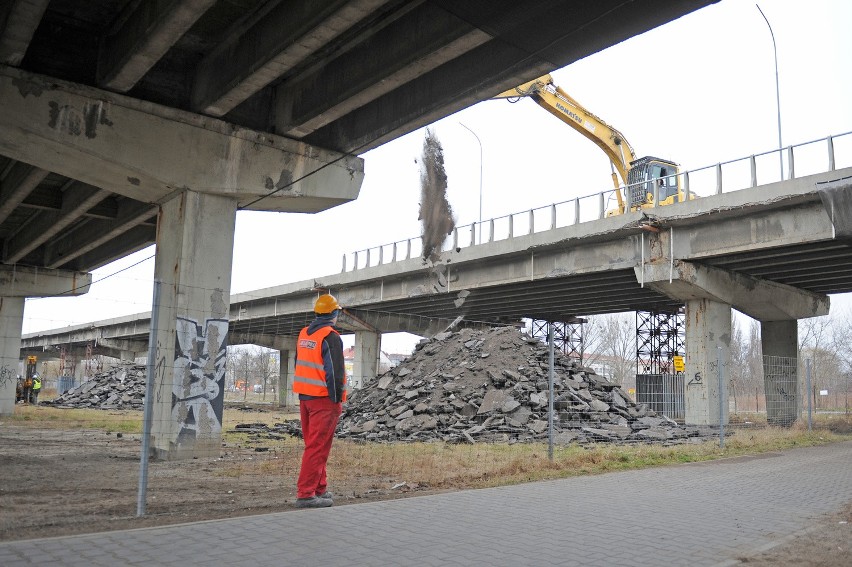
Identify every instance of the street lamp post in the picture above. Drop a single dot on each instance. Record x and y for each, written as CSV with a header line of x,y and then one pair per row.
x,y
777,93
480,178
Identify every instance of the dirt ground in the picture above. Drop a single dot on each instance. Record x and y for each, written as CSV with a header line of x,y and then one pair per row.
x,y
60,482
828,543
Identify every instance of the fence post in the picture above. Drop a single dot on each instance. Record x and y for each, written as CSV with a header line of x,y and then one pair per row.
x,y
550,391
753,172
718,178
149,400
791,163
721,398
831,163
808,387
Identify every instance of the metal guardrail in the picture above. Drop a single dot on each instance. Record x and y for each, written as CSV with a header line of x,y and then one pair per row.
x,y
729,176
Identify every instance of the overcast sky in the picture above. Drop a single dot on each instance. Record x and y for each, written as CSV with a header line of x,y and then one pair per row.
x,y
698,91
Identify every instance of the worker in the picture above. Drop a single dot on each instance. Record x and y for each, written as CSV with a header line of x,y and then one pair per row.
x,y
28,388
320,381
36,388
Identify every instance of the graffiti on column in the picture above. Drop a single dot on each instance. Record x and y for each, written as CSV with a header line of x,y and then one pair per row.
x,y
6,376
199,378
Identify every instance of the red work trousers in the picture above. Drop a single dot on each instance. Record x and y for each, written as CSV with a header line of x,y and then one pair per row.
x,y
319,420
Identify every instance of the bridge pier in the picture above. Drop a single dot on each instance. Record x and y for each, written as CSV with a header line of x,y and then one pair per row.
x,y
780,343
16,284
365,367
709,294
286,367
195,242
708,340
11,322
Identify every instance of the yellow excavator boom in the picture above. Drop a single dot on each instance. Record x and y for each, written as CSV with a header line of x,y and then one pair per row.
x,y
637,176
565,107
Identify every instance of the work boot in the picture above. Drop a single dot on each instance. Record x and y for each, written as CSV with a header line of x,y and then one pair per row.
x,y
313,502
327,495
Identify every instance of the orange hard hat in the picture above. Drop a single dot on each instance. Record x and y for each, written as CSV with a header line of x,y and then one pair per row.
x,y
325,304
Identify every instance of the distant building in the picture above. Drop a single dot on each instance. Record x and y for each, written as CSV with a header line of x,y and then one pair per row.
x,y
386,362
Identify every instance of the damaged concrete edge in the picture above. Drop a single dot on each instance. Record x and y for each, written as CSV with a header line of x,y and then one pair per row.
x,y
836,197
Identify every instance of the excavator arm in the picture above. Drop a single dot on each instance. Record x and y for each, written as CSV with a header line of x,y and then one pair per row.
x,y
562,105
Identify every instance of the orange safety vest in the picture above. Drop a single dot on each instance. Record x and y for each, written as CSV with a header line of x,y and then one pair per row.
x,y
309,375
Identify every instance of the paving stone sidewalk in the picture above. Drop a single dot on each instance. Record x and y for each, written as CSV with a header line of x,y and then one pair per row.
x,y
700,514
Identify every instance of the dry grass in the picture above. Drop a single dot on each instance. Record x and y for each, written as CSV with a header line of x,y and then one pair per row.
x,y
443,466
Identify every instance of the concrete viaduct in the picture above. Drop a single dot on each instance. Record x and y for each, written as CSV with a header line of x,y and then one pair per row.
x,y
774,252
131,122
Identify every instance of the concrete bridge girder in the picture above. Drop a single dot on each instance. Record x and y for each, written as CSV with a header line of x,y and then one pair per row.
x,y
276,342
82,132
24,281
760,299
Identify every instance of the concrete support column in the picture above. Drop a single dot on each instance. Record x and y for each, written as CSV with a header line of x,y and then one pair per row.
x,y
195,242
11,323
708,328
79,372
366,363
127,356
780,342
286,366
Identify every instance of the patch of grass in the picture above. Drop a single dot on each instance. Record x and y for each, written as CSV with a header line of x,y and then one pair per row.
x,y
443,466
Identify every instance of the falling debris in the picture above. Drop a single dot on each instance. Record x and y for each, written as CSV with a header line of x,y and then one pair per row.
x,y
435,211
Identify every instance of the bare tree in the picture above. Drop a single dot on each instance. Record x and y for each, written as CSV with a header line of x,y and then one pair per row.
x,y
842,347
738,369
753,380
816,343
593,338
610,343
263,366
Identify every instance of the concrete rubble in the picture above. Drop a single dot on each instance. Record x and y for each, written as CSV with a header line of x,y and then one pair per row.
x,y
473,386
120,387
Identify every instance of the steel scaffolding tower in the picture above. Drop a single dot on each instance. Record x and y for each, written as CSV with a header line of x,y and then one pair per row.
x,y
659,338
567,335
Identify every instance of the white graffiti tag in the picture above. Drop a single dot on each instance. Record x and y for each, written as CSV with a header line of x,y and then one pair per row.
x,y
199,378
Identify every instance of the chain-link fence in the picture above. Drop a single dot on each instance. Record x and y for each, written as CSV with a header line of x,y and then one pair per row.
x,y
777,392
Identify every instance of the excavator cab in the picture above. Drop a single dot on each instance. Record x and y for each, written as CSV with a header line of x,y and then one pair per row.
x,y
649,174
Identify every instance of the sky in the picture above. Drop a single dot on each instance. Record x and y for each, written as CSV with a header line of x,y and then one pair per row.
x,y
698,90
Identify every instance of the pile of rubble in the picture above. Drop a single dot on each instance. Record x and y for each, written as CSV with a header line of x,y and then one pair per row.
x,y
493,386
120,387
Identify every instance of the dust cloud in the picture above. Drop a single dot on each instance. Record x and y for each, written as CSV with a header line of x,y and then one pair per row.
x,y
436,214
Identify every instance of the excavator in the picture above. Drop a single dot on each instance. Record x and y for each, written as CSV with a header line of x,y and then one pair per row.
x,y
642,178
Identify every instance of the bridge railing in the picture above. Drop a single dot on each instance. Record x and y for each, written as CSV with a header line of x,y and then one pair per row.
x,y
808,158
